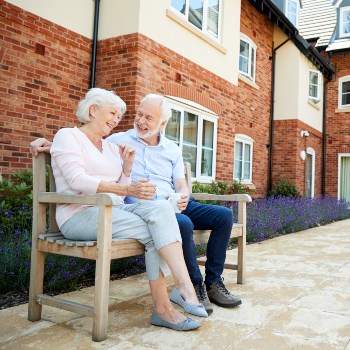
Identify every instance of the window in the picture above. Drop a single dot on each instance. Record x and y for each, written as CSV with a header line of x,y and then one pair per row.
x,y
194,130
243,158
292,7
203,14
344,26
344,92
314,85
247,55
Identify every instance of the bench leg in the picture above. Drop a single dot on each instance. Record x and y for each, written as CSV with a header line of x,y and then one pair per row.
x,y
36,284
103,266
241,261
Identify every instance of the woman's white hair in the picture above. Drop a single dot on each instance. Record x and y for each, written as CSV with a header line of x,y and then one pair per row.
x,y
164,106
100,98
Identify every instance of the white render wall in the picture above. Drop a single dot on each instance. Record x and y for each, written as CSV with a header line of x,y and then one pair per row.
x,y
156,20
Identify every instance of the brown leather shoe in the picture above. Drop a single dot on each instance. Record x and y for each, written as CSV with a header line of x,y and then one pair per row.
x,y
219,295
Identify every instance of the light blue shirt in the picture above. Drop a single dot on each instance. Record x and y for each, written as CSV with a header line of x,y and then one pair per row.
x,y
162,164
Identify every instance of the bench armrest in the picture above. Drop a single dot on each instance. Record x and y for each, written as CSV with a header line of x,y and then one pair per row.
x,y
90,199
222,197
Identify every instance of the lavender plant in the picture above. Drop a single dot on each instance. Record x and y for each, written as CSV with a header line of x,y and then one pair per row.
x,y
268,217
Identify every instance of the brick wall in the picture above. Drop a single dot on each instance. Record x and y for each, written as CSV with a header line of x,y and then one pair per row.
x,y
288,144
338,124
44,72
39,93
135,65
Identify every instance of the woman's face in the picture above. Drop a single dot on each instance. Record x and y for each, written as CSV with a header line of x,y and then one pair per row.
x,y
104,119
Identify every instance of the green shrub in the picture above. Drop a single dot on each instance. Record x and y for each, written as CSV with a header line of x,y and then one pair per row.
x,y
16,192
284,188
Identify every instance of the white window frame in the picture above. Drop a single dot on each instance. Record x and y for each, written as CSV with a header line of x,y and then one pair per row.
x,y
341,22
340,155
246,140
319,79
312,152
296,15
250,75
203,113
205,18
340,91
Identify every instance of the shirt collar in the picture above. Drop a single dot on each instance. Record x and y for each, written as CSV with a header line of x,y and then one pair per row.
x,y
163,141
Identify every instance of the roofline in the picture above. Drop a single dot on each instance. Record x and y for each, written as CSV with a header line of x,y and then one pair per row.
x,y
277,17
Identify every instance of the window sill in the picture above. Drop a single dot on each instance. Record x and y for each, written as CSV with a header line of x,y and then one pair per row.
x,y
248,81
250,185
313,104
178,19
343,110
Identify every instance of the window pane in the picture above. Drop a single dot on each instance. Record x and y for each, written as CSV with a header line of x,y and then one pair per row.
x,y
246,174
172,131
247,153
213,17
190,128
238,160
345,93
252,65
313,84
179,5
244,57
189,154
195,15
246,165
292,11
208,134
346,22
207,162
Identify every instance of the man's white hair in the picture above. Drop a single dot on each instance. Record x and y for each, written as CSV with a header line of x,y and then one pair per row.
x,y
164,105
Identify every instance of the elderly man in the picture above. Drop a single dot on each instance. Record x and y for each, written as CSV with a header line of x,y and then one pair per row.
x,y
159,160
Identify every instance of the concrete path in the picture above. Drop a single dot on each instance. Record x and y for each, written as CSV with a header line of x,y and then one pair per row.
x,y
297,296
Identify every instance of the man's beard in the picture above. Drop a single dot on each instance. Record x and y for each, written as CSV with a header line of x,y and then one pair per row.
x,y
148,134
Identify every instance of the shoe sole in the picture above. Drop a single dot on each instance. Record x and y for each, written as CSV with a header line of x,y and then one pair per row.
x,y
210,311
237,303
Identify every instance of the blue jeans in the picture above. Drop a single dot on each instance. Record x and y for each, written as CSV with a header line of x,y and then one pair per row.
x,y
219,220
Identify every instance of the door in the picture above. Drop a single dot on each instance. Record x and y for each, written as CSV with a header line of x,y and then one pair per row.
x,y
344,185
308,176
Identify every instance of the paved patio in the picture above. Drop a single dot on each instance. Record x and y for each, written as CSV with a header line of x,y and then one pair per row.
x,y
297,296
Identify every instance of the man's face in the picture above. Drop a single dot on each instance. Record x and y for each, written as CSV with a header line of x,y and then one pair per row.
x,y
148,120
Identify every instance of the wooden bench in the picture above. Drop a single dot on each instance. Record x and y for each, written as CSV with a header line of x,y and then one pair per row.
x,y
102,250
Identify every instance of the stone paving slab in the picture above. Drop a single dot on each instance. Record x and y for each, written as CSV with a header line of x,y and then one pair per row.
x,y
296,297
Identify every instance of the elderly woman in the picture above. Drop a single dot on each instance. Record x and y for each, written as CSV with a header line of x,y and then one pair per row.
x,y
84,163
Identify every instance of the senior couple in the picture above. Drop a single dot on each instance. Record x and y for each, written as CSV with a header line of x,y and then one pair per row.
x,y
142,164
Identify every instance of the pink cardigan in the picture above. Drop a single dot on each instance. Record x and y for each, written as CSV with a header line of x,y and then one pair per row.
x,y
78,167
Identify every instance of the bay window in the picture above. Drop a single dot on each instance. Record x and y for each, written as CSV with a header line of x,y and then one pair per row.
x,y
203,14
344,27
243,157
344,92
247,56
194,131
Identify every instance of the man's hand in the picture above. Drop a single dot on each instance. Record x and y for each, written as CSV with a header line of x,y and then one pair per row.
x,y
182,203
39,146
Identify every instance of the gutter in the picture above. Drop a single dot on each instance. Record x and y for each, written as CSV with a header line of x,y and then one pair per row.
x,y
94,44
324,142
272,114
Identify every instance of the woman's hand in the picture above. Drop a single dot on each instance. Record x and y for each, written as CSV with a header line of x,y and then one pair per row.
x,y
128,155
142,189
40,145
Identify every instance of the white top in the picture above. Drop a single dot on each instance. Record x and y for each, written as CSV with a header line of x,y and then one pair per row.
x,y
78,167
